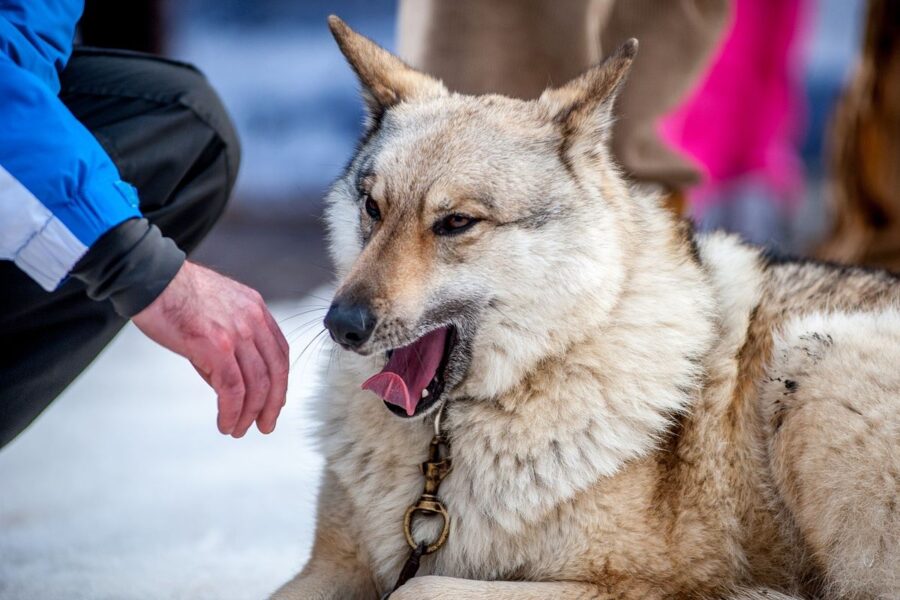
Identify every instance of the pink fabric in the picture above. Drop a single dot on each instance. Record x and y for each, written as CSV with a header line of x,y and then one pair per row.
x,y
745,119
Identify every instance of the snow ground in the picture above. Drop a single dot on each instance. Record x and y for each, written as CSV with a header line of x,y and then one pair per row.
x,y
123,489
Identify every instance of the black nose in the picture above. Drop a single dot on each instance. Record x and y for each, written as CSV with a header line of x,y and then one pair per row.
x,y
350,324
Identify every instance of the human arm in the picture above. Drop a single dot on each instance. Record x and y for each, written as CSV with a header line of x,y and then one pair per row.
x,y
60,193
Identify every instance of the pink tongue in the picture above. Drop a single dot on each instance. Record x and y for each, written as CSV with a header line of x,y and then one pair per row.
x,y
409,371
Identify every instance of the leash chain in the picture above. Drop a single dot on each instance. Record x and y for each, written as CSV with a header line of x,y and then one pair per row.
x,y
435,469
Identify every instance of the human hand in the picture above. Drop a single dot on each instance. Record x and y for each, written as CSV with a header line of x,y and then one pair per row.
x,y
228,334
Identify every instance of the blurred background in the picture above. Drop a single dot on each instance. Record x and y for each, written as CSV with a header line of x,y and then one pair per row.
x,y
297,110
778,119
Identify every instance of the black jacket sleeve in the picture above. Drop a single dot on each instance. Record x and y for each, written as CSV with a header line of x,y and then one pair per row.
x,y
130,266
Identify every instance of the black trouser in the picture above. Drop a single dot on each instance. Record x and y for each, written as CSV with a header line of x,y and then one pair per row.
x,y
170,137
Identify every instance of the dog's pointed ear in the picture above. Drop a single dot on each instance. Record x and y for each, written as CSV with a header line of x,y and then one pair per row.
x,y
583,106
386,80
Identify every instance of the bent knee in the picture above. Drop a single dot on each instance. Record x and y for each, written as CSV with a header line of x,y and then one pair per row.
x,y
144,78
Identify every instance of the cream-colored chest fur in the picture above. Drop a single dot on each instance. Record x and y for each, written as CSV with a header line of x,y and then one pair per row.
x,y
529,508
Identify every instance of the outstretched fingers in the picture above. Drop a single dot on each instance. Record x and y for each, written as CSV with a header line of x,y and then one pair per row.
x,y
275,352
226,379
257,384
248,369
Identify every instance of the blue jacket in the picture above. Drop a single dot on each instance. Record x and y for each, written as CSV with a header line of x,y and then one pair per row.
x,y
59,190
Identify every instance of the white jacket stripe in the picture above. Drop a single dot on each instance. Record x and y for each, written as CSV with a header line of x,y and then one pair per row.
x,y
30,235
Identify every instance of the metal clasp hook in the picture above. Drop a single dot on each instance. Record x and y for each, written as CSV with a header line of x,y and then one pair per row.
x,y
435,469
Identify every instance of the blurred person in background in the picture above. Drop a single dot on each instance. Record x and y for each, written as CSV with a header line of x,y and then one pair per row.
x,y
865,150
113,165
743,125
520,47
713,112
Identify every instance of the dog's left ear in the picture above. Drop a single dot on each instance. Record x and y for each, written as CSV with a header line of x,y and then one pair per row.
x,y
583,107
386,80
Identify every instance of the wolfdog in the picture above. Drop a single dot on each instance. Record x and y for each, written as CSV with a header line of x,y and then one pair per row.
x,y
623,409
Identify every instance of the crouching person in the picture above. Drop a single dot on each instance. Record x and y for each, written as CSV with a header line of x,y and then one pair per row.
x,y
113,166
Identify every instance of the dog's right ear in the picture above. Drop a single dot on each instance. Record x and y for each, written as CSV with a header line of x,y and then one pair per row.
x,y
386,80
583,107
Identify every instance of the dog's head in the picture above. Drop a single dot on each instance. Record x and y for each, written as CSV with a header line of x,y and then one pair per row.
x,y
474,235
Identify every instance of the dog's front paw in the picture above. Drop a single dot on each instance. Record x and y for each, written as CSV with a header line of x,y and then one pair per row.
x,y
429,587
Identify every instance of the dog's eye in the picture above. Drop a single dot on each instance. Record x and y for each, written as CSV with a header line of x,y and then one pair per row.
x,y
372,208
454,224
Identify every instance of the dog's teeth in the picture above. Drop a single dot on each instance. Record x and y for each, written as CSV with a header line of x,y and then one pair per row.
x,y
425,393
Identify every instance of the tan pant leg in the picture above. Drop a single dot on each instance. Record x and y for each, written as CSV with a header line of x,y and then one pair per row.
x,y
677,41
520,47
513,47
